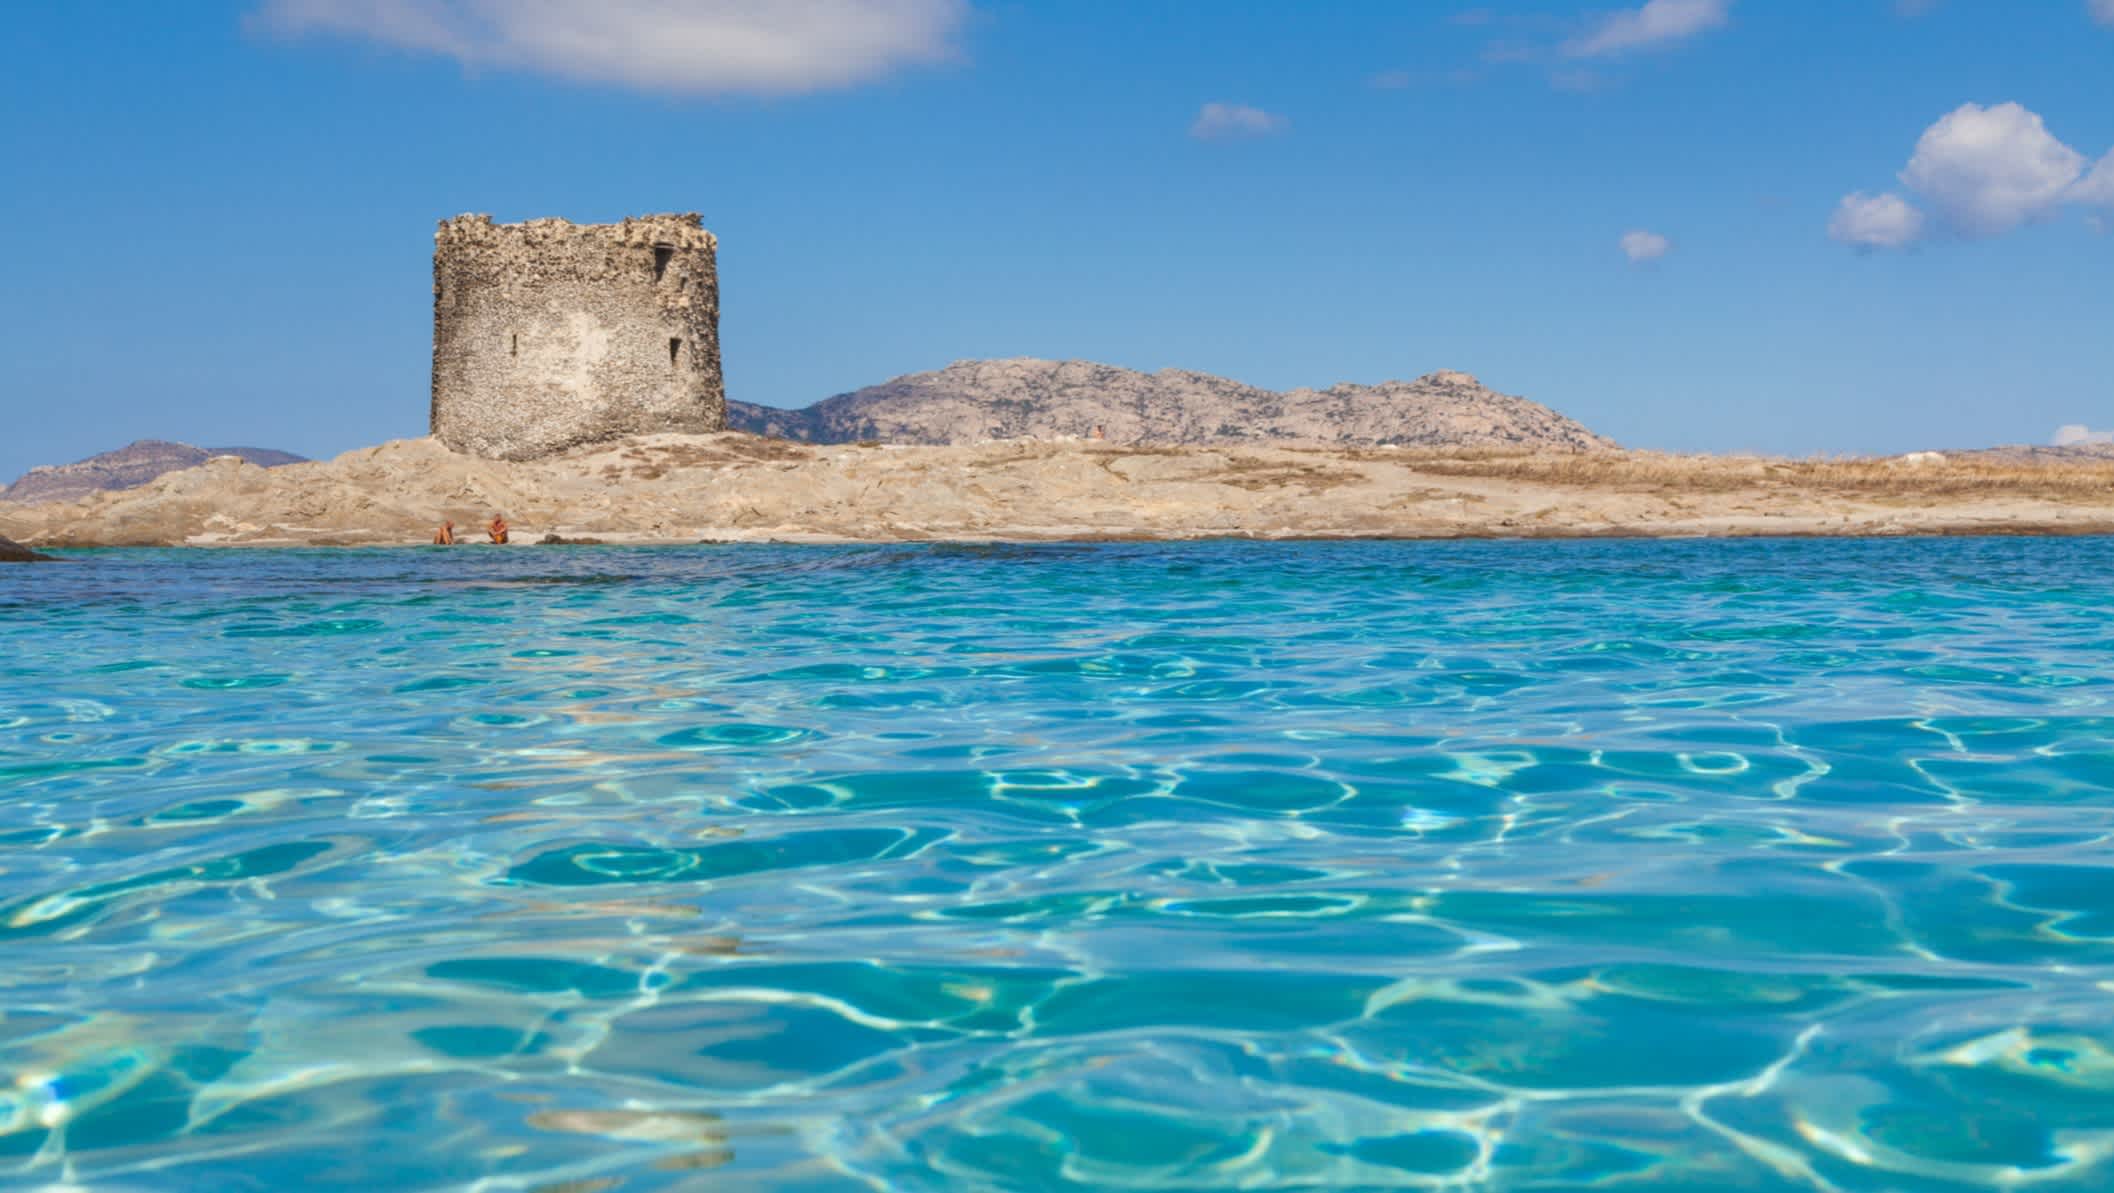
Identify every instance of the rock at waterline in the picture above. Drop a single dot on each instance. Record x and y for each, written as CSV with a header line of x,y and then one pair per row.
x,y
14,552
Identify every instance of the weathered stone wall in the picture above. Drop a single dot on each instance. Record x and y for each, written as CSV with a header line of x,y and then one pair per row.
x,y
549,334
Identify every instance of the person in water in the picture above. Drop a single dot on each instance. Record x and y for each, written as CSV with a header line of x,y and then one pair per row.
x,y
497,530
445,536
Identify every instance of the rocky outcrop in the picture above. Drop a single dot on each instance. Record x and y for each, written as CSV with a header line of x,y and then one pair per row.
x,y
14,552
128,467
978,400
733,487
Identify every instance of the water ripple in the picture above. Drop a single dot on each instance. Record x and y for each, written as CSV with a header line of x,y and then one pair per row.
x,y
1612,866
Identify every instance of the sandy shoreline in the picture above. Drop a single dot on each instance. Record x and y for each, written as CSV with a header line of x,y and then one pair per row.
x,y
737,488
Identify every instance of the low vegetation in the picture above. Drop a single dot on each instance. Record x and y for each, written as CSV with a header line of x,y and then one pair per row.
x,y
1979,474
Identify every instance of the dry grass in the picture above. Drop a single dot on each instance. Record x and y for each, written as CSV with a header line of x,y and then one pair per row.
x,y
653,461
1247,472
756,447
1955,476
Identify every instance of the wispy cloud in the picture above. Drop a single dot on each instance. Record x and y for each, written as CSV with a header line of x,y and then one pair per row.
x,y
1659,24
2101,10
1227,122
1578,82
2096,190
1885,221
1641,246
699,47
1576,53
1398,80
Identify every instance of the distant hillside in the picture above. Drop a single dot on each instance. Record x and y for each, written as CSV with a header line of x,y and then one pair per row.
x,y
128,467
2038,453
975,400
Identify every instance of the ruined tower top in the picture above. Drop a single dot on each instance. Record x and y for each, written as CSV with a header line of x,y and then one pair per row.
x,y
549,334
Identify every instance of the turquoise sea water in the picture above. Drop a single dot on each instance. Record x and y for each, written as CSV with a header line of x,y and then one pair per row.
x,y
1538,866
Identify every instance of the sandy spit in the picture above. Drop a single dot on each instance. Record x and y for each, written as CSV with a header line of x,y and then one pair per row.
x,y
732,487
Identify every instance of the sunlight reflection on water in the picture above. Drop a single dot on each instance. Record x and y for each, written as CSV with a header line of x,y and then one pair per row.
x,y
1731,865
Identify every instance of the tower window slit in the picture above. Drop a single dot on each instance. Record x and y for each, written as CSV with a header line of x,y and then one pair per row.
x,y
675,352
514,348
662,254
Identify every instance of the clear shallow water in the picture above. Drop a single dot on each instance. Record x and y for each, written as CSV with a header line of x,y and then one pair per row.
x,y
1700,866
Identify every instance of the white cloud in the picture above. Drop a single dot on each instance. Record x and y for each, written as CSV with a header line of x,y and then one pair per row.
x,y
685,46
2073,434
1658,24
1639,245
1222,122
1875,221
2096,189
2101,10
1988,170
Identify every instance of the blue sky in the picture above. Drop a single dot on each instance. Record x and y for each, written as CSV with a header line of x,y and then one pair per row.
x,y
1861,225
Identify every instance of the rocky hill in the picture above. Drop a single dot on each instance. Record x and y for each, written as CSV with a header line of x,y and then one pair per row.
x,y
128,467
976,400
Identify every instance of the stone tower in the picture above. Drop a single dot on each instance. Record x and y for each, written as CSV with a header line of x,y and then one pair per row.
x,y
549,334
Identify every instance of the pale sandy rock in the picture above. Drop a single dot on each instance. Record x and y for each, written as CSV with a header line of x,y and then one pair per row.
x,y
731,487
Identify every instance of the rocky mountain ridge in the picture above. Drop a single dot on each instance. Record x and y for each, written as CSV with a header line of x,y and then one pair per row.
x,y
973,401
976,401
128,467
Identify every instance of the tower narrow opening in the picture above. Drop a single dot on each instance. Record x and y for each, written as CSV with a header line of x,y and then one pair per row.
x,y
514,348
662,255
675,352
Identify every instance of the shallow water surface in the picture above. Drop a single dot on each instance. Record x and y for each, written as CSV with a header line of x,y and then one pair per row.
x,y
1613,866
